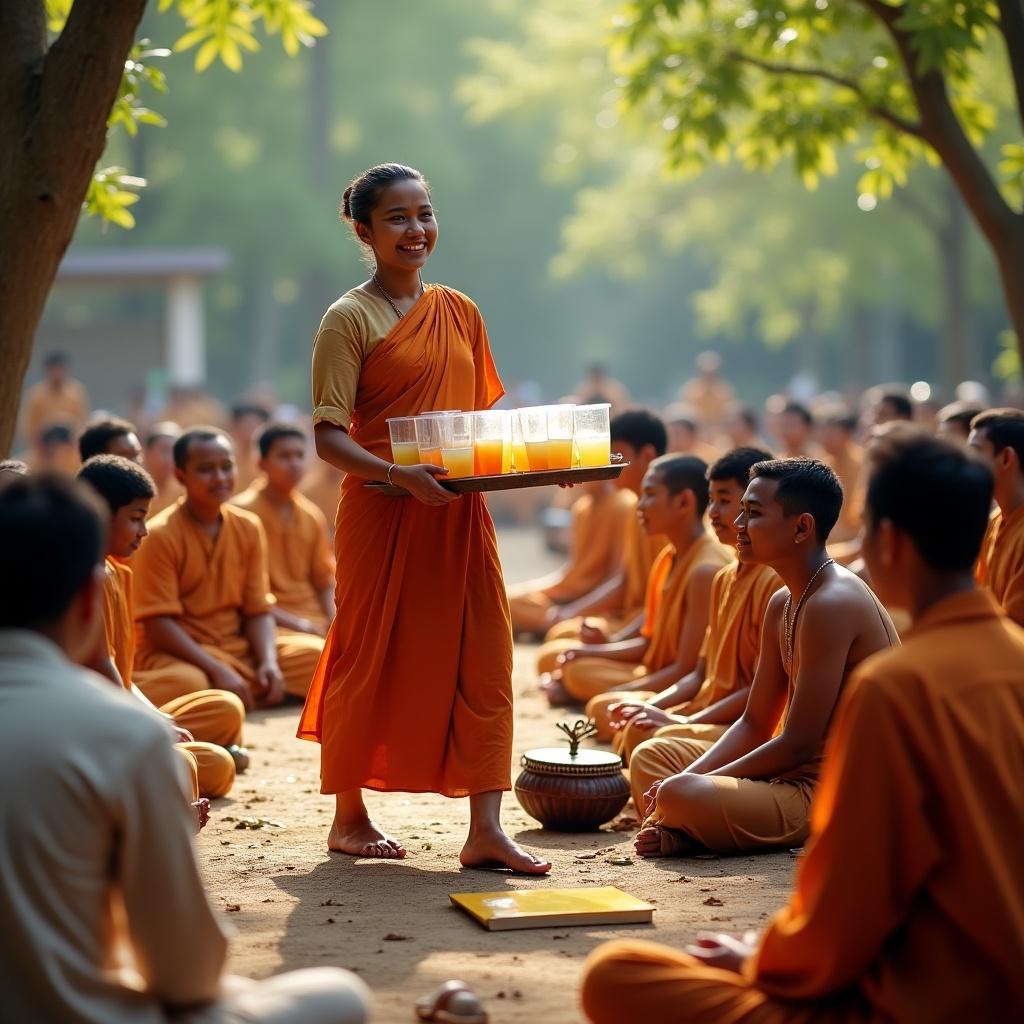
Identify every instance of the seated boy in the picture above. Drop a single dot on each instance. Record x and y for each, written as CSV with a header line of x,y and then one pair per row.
x,y
705,703
600,517
907,906
751,789
300,558
674,497
614,609
110,436
158,458
103,914
209,724
202,592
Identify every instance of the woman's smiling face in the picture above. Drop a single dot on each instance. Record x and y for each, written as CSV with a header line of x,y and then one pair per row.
x,y
403,229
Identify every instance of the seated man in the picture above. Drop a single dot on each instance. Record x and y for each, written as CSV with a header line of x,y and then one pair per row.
x,y
752,788
674,498
999,436
102,824
955,419
202,592
707,701
614,609
209,724
110,436
907,905
300,558
846,459
600,518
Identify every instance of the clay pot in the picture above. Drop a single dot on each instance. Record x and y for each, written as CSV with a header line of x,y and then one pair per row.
x,y
569,793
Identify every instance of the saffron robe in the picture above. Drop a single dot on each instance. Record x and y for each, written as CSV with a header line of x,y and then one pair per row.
x,y
209,585
638,556
1000,568
928,742
413,691
666,609
300,559
739,598
214,717
595,552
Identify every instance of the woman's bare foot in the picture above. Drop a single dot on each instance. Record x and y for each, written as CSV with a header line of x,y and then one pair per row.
x,y
648,842
361,838
493,850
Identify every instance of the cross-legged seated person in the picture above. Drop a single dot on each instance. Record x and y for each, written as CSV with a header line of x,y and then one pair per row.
x,y
103,914
674,497
705,703
208,724
907,906
202,592
751,789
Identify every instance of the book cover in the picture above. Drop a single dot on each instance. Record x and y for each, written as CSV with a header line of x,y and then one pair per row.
x,y
547,908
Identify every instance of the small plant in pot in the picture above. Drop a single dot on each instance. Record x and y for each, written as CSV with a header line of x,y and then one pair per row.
x,y
568,789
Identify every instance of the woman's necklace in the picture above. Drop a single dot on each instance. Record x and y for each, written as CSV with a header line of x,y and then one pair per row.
x,y
791,624
391,301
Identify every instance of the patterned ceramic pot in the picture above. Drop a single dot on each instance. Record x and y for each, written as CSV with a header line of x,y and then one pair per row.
x,y
568,793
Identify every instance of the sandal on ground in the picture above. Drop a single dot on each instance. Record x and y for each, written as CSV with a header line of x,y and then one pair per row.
x,y
453,1003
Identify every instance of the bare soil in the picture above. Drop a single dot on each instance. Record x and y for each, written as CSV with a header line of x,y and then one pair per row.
x,y
294,905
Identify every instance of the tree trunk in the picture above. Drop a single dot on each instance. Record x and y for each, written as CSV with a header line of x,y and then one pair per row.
x,y
53,122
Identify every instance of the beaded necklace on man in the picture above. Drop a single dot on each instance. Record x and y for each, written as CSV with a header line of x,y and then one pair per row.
x,y
398,312
790,624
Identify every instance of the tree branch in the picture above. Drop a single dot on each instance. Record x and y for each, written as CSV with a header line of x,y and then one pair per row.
x,y
942,130
881,112
81,76
1011,24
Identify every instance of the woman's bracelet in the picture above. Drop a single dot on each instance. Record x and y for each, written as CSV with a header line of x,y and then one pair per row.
x,y
390,468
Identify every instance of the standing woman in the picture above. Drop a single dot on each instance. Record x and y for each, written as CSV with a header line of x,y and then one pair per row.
x,y
413,691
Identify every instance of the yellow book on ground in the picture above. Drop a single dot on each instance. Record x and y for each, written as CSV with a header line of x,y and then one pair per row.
x,y
552,908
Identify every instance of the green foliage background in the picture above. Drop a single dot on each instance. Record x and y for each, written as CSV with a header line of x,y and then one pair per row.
x,y
555,214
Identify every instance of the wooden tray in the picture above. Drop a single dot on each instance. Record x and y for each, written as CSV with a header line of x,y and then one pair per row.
x,y
512,481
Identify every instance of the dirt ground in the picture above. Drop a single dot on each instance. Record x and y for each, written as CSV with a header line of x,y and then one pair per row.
x,y
292,904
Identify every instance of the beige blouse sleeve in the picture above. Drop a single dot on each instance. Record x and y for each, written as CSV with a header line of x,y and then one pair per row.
x,y
338,353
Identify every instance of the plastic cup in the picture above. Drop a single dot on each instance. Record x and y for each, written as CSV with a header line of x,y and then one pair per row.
x,y
457,455
520,460
429,436
492,438
405,449
560,436
534,421
593,434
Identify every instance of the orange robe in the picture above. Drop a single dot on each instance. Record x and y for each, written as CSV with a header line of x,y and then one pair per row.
x,y
414,689
209,586
214,718
595,552
300,558
920,799
848,465
1000,566
166,496
667,608
638,556
739,599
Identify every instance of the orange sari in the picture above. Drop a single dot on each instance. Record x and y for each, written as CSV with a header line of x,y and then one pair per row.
x,y
413,691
